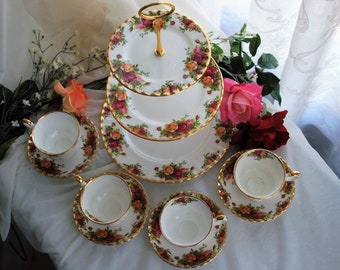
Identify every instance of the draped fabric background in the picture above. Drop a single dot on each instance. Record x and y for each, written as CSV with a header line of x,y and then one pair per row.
x,y
302,34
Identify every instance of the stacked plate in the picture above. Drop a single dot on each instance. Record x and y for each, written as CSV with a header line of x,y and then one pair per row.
x,y
160,121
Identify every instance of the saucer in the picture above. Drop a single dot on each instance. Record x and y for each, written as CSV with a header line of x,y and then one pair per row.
x,y
122,231
134,64
165,162
170,117
187,257
81,161
245,207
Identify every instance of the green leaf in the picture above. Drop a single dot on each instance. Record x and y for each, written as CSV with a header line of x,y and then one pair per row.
x,y
268,80
268,60
247,61
235,47
254,44
216,49
236,64
276,94
5,146
25,89
6,96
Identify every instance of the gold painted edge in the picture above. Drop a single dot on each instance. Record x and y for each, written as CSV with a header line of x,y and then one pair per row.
x,y
153,94
206,169
220,189
194,194
167,139
135,232
71,174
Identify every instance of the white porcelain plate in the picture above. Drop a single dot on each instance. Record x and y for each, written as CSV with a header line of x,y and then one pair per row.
x,y
187,257
245,207
135,65
165,162
171,117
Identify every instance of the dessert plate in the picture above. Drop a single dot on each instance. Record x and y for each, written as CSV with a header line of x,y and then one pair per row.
x,y
193,256
122,231
165,162
169,117
135,65
80,161
245,207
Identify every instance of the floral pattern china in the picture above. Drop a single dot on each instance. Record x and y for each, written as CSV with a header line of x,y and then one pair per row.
x,y
133,63
149,117
165,162
245,207
187,257
122,231
81,161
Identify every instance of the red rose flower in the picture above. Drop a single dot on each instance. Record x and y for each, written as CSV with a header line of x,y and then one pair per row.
x,y
266,132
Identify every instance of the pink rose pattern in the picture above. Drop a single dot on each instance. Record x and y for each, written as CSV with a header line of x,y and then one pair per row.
x,y
197,256
195,62
249,211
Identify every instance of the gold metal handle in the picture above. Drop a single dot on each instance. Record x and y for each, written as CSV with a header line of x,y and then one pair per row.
x,y
79,179
289,171
27,123
158,22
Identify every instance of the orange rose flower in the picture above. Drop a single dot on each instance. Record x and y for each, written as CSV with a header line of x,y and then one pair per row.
x,y
115,135
126,67
220,131
191,65
172,127
207,81
75,100
168,170
121,95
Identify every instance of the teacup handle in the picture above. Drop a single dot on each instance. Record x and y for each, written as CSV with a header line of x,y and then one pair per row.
x,y
80,180
27,123
291,175
219,219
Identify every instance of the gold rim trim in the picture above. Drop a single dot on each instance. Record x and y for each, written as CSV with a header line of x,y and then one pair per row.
x,y
188,85
75,171
196,195
221,190
134,232
153,17
93,178
206,169
188,134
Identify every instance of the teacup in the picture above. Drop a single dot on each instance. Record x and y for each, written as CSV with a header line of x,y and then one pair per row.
x,y
55,133
105,199
186,221
261,174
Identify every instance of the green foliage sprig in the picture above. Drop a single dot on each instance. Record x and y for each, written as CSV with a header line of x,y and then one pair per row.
x,y
33,94
240,65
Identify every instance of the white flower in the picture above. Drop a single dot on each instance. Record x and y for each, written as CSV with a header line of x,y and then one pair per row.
x,y
37,95
15,123
49,94
234,54
57,63
26,102
33,50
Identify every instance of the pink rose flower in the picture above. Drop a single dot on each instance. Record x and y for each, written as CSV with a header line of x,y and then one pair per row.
x,y
241,102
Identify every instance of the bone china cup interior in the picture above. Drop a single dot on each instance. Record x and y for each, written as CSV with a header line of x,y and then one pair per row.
x,y
259,173
55,133
185,221
105,199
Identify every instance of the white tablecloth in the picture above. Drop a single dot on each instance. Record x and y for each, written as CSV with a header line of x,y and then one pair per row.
x,y
306,236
